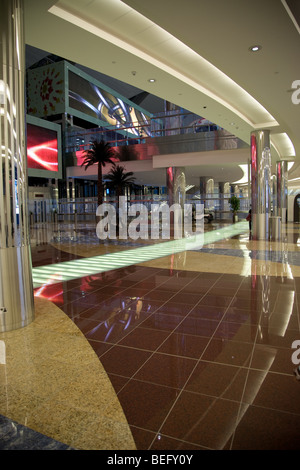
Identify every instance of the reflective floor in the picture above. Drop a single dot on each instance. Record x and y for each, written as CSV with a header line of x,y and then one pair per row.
x,y
188,350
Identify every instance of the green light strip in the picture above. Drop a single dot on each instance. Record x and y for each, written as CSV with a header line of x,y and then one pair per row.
x,y
75,269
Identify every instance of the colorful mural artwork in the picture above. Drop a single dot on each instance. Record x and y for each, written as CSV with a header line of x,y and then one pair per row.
x,y
45,90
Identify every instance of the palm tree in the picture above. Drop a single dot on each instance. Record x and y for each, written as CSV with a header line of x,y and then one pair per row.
x,y
100,153
119,179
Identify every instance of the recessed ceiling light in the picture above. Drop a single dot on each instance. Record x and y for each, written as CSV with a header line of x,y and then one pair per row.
x,y
255,48
151,80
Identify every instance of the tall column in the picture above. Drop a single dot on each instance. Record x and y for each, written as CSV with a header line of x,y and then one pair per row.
x,y
274,194
260,184
224,193
16,290
282,187
53,185
221,195
249,181
206,190
176,185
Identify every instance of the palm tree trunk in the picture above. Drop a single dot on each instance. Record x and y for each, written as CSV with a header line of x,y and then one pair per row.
x,y
118,194
100,185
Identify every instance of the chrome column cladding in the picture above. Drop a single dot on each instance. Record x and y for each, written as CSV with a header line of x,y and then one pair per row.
x,y
282,188
221,195
16,291
207,190
260,184
274,195
176,184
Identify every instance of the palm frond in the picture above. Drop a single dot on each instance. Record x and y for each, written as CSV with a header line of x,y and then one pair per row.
x,y
119,178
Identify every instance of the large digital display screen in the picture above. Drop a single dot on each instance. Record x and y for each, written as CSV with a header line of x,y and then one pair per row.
x,y
42,148
100,104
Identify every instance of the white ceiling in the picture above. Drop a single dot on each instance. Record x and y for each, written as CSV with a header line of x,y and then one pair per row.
x,y
198,52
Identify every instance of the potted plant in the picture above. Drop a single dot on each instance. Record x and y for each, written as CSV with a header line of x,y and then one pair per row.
x,y
234,205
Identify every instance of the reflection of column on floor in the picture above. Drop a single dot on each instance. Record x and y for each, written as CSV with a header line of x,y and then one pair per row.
x,y
16,294
282,183
272,303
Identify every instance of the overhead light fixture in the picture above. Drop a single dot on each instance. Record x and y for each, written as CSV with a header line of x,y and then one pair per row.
x,y
151,80
255,48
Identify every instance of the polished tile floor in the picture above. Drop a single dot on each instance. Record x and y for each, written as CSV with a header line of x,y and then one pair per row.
x,y
197,345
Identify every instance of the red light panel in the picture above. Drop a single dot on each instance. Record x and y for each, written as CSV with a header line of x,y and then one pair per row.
x,y
42,148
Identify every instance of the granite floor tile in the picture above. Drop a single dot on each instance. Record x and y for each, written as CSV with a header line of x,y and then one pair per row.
x,y
228,352
195,418
279,392
144,338
218,380
124,361
147,405
274,430
207,312
162,442
174,308
241,315
198,326
272,359
186,345
236,331
165,369
187,298
159,321
215,300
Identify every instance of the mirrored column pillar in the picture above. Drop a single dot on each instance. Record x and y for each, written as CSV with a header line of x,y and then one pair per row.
x,y
274,194
282,188
260,184
221,197
207,190
176,185
16,290
249,182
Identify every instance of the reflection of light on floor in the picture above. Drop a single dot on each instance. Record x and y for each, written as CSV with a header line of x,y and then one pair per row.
x,y
86,266
2,352
285,315
251,388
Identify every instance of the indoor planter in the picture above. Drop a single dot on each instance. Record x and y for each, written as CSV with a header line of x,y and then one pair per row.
x,y
234,205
